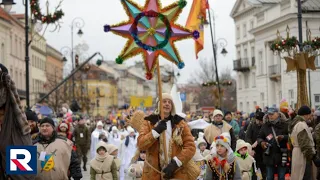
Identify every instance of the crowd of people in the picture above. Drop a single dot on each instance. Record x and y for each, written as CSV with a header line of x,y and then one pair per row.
x,y
273,143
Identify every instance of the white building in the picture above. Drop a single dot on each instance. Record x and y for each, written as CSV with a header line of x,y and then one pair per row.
x,y
261,76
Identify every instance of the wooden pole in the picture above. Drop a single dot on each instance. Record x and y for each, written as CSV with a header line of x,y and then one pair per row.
x,y
163,134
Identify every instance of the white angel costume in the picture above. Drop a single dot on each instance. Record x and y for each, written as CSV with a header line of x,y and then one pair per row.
x,y
95,139
128,149
115,137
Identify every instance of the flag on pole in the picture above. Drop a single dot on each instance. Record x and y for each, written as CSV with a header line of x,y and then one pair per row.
x,y
196,21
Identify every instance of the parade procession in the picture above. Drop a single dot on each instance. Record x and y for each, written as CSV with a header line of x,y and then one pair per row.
x,y
160,90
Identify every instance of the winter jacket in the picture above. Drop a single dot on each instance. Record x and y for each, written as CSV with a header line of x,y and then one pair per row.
x,y
103,167
251,137
235,127
59,158
82,135
266,135
182,146
213,131
303,146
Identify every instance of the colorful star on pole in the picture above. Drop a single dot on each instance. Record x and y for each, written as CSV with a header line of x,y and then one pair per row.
x,y
151,30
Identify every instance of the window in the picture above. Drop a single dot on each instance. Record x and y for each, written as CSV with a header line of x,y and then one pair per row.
x,y
239,54
317,98
16,78
251,24
248,106
241,106
291,94
255,103
253,79
238,32
245,55
11,43
246,81
240,82
252,51
244,30
262,96
261,62
21,81
280,94
16,46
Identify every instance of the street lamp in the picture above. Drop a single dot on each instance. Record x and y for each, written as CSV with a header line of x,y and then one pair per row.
x,y
7,6
78,23
222,44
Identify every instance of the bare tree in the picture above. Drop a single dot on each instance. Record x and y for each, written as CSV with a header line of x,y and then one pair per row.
x,y
206,73
209,95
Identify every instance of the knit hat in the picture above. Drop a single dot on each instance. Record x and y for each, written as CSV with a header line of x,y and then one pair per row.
x,y
241,144
201,140
224,140
217,112
259,116
64,125
304,110
47,120
31,116
226,113
167,96
111,148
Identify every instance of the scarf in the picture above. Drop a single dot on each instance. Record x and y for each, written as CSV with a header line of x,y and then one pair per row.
x,y
218,124
127,140
274,122
43,140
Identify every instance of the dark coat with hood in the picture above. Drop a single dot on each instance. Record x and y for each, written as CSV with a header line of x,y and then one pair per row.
x,y
251,137
280,128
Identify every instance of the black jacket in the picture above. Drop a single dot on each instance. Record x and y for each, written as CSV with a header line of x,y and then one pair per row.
x,y
251,137
280,128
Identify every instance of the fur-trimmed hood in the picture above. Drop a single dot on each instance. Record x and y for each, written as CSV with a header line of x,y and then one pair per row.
x,y
283,118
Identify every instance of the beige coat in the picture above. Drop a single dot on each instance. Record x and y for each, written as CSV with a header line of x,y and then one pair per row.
x,y
298,159
182,146
213,131
57,160
102,168
245,166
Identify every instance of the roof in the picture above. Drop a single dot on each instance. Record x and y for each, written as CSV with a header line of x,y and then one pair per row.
x,y
311,5
18,16
4,15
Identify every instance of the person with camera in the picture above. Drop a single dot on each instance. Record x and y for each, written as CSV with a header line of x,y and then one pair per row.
x,y
273,138
303,145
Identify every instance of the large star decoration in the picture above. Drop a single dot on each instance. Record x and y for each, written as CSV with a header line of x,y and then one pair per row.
x,y
151,30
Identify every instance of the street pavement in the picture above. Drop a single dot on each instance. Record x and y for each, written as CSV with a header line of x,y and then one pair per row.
x,y
86,174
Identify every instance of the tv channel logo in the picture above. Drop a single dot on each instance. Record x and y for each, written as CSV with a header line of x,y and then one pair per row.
x,y
21,159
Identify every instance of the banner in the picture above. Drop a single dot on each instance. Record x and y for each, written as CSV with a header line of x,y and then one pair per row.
x,y
136,101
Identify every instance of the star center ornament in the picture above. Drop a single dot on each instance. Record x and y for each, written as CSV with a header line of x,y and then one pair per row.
x,y
151,31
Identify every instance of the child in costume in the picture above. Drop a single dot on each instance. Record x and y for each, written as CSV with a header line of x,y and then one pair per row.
x,y
201,153
222,164
244,159
103,166
113,151
136,168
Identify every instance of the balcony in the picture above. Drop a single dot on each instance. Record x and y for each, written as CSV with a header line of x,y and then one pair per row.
x,y
275,72
241,65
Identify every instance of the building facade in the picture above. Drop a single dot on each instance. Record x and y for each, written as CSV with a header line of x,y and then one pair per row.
x,y
54,75
261,75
